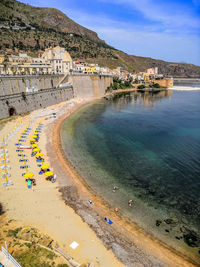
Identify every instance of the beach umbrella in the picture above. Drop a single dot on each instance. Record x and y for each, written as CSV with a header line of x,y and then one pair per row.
x,y
34,145
3,150
45,166
39,155
6,175
4,167
35,133
28,175
4,161
34,136
37,149
32,140
48,173
4,156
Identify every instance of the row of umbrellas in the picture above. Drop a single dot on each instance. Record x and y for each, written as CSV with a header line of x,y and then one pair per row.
x,y
34,139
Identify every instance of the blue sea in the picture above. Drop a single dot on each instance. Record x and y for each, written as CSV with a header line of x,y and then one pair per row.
x,y
148,146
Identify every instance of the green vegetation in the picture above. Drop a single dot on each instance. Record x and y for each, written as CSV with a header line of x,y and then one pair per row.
x,y
23,96
14,232
120,84
36,256
156,85
141,86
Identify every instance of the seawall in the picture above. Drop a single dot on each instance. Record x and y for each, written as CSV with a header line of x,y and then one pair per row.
x,y
10,85
19,104
89,85
14,98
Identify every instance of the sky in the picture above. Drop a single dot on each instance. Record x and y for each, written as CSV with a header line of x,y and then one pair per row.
x,y
161,29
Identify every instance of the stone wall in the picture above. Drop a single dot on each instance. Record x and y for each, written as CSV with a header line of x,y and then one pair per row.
x,y
15,100
89,85
167,82
17,84
22,103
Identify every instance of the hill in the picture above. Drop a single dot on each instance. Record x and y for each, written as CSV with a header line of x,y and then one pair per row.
x,y
29,29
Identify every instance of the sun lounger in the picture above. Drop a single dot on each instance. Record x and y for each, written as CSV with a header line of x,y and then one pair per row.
x,y
40,160
24,166
20,155
18,144
21,140
23,136
19,150
23,160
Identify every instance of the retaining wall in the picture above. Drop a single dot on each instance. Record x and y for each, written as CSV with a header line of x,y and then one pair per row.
x,y
17,84
13,91
19,103
89,85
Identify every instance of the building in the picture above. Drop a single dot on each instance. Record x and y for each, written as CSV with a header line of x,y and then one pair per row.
x,y
89,69
152,71
79,66
60,60
23,64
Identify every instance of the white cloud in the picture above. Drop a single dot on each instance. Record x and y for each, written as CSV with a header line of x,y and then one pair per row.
x,y
171,15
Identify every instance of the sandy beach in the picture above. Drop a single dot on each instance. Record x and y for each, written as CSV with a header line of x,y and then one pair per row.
x,y
61,209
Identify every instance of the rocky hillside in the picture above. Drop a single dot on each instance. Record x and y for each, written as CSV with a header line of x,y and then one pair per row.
x,y
29,29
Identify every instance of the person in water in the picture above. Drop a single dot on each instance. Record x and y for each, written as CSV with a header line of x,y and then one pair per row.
x,y
130,202
114,189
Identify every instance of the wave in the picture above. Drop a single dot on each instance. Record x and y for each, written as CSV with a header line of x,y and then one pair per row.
x,y
184,88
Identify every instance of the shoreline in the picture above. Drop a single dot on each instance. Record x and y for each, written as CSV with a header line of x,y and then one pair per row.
x,y
163,253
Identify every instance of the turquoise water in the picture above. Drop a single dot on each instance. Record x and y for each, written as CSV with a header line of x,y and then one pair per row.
x,y
148,145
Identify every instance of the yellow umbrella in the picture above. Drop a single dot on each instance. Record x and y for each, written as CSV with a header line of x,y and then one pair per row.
x,y
35,133
48,173
36,149
28,175
35,136
34,145
32,140
39,155
45,166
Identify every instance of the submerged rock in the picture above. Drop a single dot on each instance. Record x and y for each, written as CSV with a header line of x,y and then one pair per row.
x,y
192,239
158,222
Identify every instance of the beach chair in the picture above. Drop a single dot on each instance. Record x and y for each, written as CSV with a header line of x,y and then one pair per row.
x,y
40,160
23,160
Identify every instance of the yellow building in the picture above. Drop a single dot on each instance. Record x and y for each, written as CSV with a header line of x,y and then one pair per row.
x,y
89,70
23,64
